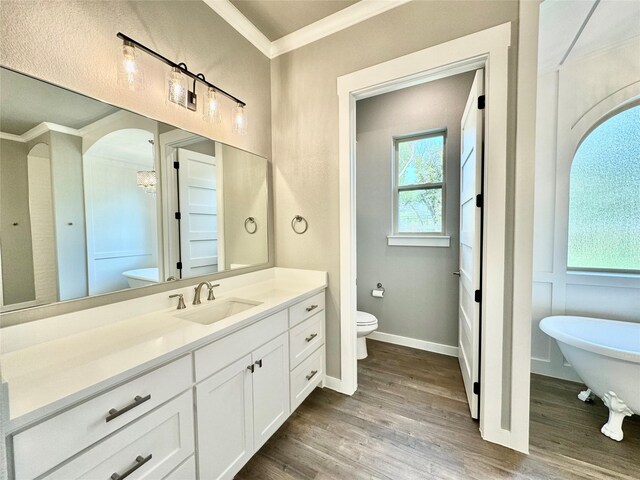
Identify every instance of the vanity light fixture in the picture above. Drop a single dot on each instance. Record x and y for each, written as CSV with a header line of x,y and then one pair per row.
x,y
130,72
239,119
178,91
211,108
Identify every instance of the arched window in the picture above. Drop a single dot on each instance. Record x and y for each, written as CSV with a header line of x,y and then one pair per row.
x,y
604,198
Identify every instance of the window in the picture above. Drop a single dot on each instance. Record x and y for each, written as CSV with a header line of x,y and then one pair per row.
x,y
604,198
419,184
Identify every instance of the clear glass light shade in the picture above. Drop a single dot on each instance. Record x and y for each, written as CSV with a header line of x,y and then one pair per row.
x,y
211,107
147,180
177,87
130,71
239,120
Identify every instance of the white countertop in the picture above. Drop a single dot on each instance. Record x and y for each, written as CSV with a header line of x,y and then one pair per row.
x,y
49,376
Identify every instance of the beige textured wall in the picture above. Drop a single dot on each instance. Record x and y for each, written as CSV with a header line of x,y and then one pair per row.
x,y
305,124
74,44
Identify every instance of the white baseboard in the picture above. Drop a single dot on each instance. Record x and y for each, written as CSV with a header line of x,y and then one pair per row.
x,y
415,343
544,367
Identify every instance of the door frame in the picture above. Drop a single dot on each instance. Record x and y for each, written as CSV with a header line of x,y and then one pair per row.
x,y
488,49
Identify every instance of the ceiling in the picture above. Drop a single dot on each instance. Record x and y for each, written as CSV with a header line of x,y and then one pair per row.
x,y
573,29
277,18
27,102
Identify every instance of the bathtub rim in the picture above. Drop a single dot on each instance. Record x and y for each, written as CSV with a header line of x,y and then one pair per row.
x,y
546,325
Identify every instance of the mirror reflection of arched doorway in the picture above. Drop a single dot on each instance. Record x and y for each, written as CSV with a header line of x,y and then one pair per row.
x,y
120,212
45,267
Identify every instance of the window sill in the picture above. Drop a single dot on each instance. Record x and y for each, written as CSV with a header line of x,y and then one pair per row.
x,y
419,241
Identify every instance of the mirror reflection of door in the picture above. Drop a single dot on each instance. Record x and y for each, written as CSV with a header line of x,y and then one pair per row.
x,y
200,193
122,241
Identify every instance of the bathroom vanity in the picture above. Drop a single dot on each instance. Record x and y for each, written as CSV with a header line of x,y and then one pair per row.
x,y
128,390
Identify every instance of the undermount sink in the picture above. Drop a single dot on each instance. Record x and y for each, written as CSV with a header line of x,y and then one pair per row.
x,y
218,310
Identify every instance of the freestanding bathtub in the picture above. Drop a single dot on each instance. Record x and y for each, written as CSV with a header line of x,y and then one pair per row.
x,y
606,356
142,277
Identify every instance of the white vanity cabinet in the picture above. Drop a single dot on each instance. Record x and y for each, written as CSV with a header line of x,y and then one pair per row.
x,y
49,443
227,397
240,407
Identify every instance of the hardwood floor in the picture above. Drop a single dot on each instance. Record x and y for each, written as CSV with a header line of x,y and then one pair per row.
x,y
409,419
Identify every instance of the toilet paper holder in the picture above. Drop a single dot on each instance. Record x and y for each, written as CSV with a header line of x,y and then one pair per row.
x,y
378,291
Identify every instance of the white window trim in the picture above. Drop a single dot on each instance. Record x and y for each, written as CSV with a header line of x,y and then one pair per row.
x,y
419,241
425,186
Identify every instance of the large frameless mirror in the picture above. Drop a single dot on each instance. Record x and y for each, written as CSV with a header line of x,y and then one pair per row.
x,y
95,199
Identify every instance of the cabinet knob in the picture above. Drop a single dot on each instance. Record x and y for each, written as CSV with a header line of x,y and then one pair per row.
x,y
251,368
312,307
259,363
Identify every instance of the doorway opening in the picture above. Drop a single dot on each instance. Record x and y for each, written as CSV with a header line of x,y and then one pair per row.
x,y
419,219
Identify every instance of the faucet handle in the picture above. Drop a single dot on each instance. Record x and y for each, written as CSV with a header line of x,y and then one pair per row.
x,y
181,305
211,295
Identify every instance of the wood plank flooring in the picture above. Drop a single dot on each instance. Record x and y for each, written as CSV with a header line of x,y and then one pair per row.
x,y
409,419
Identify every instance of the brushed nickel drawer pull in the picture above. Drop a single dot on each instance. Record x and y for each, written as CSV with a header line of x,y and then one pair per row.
x,y
138,400
312,307
140,461
312,374
310,337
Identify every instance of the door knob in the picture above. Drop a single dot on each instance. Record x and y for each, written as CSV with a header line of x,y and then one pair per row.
x,y
457,273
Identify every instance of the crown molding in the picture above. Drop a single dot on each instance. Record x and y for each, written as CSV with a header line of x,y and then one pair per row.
x,y
11,137
353,14
38,130
356,13
237,20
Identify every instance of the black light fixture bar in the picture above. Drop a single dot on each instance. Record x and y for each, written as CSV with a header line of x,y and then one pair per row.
x,y
183,67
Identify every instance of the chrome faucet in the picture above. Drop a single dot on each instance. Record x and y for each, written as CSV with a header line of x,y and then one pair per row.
x,y
196,297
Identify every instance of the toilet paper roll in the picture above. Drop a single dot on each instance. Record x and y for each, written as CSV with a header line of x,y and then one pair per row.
x,y
378,292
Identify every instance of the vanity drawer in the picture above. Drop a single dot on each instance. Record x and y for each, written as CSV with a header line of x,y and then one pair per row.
x,y
147,449
305,338
186,471
304,309
49,443
306,376
217,355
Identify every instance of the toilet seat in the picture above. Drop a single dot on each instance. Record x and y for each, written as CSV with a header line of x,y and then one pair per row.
x,y
365,319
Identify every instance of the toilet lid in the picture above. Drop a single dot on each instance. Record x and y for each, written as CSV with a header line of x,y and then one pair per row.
x,y
364,318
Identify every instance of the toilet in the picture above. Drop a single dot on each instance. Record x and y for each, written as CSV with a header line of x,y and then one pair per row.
x,y
366,325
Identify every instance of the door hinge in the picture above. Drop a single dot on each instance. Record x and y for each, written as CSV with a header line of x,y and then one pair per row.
x,y
476,388
478,296
178,216
176,165
479,200
481,102
179,265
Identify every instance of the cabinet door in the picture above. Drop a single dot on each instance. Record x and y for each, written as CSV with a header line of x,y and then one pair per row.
x,y
225,421
270,388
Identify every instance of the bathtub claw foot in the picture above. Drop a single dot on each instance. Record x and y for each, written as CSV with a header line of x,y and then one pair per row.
x,y
618,410
586,396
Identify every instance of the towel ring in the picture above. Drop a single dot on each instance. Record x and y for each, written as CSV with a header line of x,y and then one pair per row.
x,y
250,221
299,219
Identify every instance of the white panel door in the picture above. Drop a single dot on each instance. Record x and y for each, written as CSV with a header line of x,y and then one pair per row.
x,y
225,421
270,388
198,195
470,242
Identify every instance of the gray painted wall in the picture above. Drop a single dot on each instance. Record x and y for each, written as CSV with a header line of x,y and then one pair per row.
x,y
305,125
421,299
17,256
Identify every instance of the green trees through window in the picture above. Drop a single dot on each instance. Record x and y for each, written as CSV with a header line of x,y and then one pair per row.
x,y
604,199
419,184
